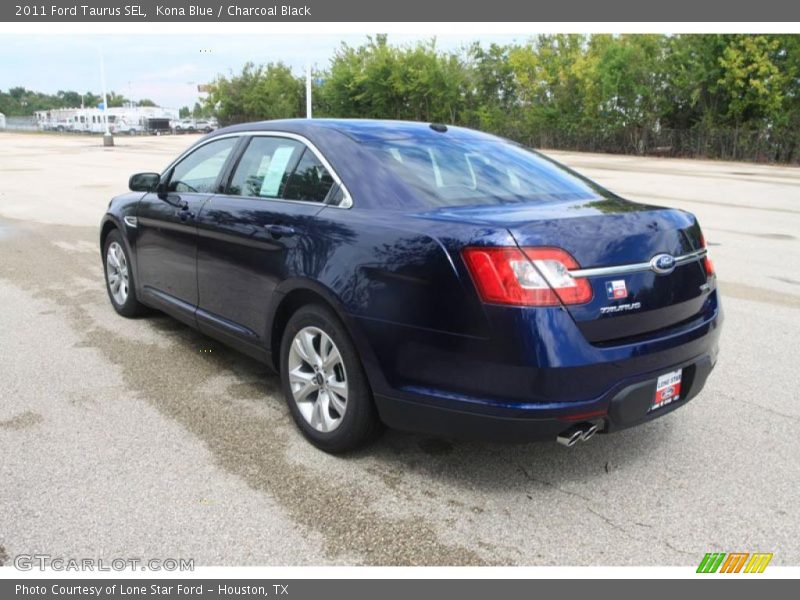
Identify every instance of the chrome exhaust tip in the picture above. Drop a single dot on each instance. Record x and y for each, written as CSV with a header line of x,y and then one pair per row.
x,y
570,437
581,432
589,432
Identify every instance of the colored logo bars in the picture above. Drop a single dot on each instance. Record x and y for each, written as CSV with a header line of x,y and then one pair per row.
x,y
734,562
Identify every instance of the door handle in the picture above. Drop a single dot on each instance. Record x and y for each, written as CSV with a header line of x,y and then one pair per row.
x,y
276,230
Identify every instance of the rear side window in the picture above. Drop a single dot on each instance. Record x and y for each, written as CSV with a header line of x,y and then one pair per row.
x,y
310,181
274,167
199,171
265,167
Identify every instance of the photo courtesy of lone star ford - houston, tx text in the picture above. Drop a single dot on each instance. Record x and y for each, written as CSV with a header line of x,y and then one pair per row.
x,y
359,299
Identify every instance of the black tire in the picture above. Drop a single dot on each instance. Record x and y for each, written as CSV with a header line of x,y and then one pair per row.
x,y
360,423
131,307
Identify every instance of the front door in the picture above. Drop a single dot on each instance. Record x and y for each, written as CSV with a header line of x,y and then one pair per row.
x,y
166,244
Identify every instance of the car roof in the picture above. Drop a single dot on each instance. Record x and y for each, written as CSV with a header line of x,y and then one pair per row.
x,y
360,130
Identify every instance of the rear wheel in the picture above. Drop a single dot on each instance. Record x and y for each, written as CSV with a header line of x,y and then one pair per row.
x,y
119,277
324,383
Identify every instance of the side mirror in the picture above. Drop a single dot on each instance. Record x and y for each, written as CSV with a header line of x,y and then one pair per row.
x,y
144,182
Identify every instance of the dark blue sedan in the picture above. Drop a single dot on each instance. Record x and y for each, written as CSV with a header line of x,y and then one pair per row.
x,y
425,277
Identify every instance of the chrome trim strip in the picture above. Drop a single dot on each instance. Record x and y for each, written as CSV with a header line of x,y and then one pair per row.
x,y
637,267
130,221
347,202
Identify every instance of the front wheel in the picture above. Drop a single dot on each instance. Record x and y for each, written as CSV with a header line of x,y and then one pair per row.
x,y
324,383
119,277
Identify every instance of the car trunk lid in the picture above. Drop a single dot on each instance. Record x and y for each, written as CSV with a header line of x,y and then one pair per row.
x,y
615,243
644,266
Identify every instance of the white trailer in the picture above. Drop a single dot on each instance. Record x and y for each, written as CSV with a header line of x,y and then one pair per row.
x,y
124,120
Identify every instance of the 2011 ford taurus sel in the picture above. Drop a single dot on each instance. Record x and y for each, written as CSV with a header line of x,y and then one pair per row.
x,y
430,278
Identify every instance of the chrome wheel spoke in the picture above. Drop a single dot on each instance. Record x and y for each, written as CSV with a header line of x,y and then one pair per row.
x,y
316,417
112,258
327,422
326,348
299,376
339,388
305,347
302,383
332,358
337,401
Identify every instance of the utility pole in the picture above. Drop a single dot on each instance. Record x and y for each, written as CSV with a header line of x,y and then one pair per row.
x,y
308,91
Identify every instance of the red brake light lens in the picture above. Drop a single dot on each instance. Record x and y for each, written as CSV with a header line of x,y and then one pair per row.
x,y
707,264
535,276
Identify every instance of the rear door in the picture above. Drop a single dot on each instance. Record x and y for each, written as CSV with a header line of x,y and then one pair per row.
x,y
262,231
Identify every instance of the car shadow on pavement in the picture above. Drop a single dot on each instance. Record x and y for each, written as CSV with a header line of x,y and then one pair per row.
x,y
462,462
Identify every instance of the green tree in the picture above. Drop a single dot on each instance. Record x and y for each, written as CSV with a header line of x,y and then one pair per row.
x,y
116,100
492,89
551,75
257,93
627,86
200,112
752,79
693,95
377,80
68,99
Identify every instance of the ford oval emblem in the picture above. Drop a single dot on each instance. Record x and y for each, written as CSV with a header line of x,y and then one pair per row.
x,y
663,264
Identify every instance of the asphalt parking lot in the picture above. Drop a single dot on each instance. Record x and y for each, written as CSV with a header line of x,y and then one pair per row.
x,y
142,438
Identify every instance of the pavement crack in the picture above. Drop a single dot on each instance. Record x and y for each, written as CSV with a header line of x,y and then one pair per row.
x,y
772,411
606,519
553,485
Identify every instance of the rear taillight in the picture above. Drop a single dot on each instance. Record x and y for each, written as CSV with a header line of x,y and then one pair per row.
x,y
526,277
707,264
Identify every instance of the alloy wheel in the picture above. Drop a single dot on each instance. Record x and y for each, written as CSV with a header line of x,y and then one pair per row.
x,y
117,273
318,379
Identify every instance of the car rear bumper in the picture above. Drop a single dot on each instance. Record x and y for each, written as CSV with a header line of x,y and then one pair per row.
x,y
625,406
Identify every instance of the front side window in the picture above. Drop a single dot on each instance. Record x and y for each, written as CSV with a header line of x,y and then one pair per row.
x,y
280,168
198,172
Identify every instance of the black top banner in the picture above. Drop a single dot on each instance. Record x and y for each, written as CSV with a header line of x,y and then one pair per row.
x,y
407,10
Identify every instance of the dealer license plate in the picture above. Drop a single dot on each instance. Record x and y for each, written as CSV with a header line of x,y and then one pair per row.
x,y
668,389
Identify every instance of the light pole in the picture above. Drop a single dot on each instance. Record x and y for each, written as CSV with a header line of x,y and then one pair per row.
x,y
308,91
108,139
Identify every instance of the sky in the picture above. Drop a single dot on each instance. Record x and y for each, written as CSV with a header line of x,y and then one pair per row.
x,y
168,68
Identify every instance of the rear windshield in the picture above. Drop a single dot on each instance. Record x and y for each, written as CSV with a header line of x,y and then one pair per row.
x,y
454,172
